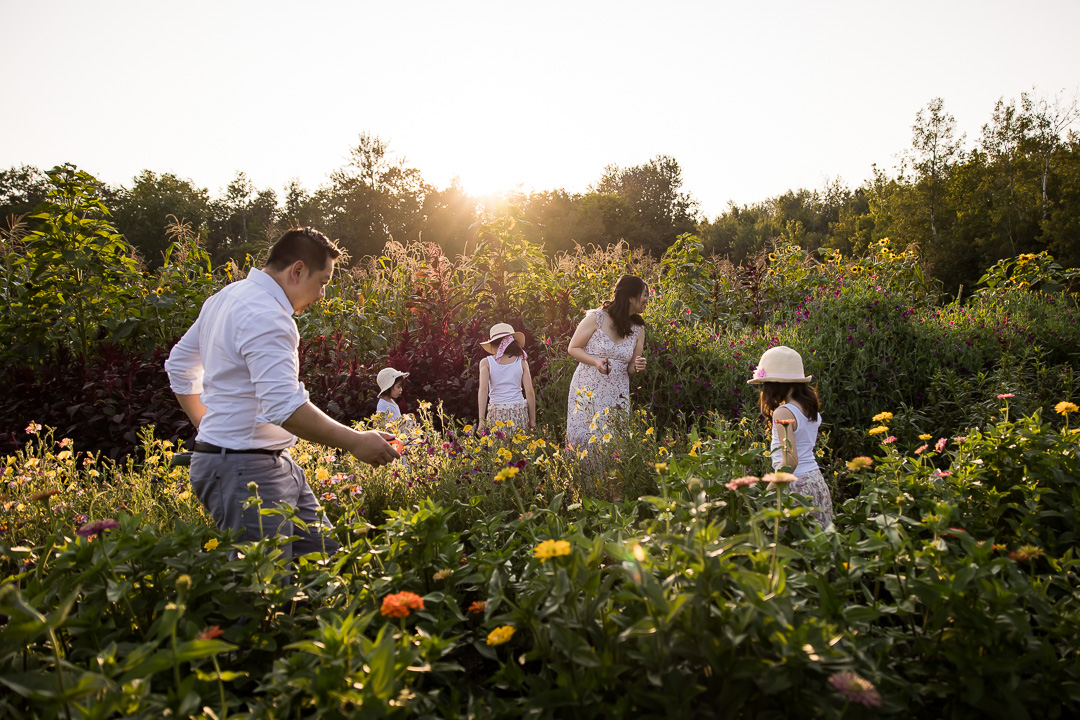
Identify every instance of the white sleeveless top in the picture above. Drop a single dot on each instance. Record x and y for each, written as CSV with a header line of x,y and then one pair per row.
x,y
805,440
504,381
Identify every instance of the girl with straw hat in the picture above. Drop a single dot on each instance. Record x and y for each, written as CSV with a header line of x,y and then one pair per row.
x,y
504,375
792,404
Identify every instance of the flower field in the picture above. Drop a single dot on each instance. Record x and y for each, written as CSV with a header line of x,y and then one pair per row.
x,y
493,575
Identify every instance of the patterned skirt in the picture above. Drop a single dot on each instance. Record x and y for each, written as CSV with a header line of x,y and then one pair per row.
x,y
813,485
516,413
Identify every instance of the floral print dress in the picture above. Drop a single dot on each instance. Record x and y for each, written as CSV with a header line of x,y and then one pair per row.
x,y
595,397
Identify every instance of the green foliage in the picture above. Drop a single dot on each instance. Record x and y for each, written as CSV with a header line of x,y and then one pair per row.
x,y
947,582
74,281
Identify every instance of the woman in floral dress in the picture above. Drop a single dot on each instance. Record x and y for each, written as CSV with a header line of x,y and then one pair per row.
x,y
607,345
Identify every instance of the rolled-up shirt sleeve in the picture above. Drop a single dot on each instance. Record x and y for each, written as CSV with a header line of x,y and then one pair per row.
x,y
184,364
270,352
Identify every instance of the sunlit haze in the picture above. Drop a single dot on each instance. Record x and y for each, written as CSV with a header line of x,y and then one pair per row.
x,y
751,99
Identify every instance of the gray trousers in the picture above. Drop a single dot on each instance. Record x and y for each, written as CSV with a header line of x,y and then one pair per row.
x,y
220,482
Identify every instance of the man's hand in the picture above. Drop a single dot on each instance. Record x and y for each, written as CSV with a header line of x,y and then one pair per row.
x,y
371,447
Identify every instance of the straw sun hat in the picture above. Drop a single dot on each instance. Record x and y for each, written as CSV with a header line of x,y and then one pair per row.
x,y
498,332
780,364
387,377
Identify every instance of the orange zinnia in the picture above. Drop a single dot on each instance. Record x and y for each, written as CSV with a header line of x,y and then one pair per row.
x,y
399,605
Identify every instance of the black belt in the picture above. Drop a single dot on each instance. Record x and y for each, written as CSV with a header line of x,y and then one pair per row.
x,y
202,447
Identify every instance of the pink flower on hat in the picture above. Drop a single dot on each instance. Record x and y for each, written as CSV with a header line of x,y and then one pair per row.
x,y
760,373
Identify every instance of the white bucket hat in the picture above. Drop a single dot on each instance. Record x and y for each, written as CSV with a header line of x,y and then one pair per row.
x,y
498,332
387,377
780,364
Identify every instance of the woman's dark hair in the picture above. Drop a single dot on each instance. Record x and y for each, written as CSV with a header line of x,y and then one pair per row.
x,y
618,307
773,395
307,244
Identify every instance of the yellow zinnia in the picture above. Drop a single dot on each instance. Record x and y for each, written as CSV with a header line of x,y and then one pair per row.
x,y
500,635
878,430
210,544
1065,407
883,417
550,549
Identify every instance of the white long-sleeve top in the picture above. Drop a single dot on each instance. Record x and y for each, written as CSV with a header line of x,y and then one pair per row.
x,y
242,356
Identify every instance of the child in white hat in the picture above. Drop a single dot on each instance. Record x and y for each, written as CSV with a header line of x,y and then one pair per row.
x,y
391,385
504,375
788,399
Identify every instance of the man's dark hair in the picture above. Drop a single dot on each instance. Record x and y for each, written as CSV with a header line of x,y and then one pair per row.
x,y
307,244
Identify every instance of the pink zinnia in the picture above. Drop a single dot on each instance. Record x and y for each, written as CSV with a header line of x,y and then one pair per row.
x,y
1005,396
745,481
888,440
857,689
942,473
940,444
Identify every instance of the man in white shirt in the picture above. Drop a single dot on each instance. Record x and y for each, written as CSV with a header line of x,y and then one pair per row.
x,y
236,373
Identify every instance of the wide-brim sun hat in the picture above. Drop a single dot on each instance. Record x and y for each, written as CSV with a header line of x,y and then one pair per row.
x,y
498,332
780,364
387,377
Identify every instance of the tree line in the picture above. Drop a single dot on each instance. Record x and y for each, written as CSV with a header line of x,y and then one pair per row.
x,y
1016,191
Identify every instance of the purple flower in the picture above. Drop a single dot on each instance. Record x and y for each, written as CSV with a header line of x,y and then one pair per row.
x,y
97,526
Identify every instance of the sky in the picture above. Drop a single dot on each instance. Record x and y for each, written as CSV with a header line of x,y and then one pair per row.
x,y
751,98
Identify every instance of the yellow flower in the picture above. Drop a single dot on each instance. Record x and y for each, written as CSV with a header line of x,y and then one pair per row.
x,y
506,474
425,405
500,635
650,431
305,458
322,474
883,417
1064,407
467,429
660,467
924,436
505,454
878,430
64,455
607,437
210,544
500,424
588,393
662,450
551,548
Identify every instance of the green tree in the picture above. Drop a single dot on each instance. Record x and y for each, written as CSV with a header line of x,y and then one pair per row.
x,y
1046,123
374,198
659,210
301,208
22,188
936,149
244,220
141,212
448,218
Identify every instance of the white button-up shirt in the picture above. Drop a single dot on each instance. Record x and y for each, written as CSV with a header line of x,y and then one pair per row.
x,y
242,356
